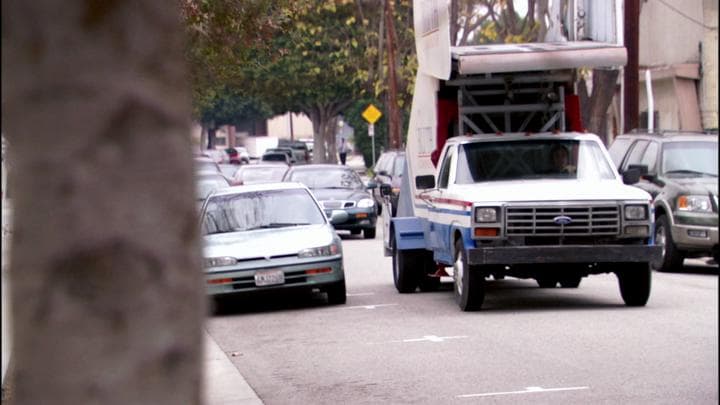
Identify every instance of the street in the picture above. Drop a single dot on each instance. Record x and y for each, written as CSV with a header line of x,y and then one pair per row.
x,y
527,344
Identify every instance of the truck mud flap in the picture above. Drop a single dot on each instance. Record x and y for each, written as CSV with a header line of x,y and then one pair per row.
x,y
408,233
564,254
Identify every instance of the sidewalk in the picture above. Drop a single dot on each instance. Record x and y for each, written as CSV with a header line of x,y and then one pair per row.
x,y
224,385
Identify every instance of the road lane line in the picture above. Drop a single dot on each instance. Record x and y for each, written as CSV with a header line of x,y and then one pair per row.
x,y
528,390
369,306
360,294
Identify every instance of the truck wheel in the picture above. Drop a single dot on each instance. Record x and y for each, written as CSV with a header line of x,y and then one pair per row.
x,y
369,233
469,283
635,280
336,293
405,265
671,259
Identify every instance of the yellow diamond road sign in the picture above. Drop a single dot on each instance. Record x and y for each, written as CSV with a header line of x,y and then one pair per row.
x,y
371,114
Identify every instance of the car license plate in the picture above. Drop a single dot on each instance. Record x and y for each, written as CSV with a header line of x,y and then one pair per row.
x,y
269,277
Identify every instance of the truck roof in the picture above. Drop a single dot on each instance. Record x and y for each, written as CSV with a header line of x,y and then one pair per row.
x,y
515,136
527,57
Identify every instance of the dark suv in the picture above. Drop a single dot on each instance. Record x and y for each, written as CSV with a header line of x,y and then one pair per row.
x,y
680,171
387,174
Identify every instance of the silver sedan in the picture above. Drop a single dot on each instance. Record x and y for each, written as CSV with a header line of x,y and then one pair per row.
x,y
270,237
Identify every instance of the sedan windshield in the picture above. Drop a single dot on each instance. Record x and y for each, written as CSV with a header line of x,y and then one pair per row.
x,y
690,159
260,209
327,178
542,158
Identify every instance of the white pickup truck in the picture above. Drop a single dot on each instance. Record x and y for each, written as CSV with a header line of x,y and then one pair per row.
x,y
548,206
500,179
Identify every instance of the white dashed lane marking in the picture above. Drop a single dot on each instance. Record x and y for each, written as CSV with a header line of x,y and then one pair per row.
x,y
527,390
369,306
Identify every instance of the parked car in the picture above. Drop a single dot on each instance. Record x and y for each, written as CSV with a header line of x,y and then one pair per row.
x,y
260,173
217,155
339,188
680,171
253,242
243,154
300,150
206,183
387,174
275,157
286,150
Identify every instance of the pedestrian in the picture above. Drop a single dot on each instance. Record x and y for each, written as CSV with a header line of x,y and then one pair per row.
x,y
343,150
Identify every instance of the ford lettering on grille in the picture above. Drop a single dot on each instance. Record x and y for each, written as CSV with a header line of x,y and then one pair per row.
x,y
562,220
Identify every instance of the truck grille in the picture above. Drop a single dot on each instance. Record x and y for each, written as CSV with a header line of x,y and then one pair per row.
x,y
553,220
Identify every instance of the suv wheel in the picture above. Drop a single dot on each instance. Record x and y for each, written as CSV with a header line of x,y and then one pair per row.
x,y
671,258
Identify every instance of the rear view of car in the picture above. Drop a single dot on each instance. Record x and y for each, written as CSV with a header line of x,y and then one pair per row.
x,y
253,242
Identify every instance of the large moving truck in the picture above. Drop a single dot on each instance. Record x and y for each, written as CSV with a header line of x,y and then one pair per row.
x,y
501,180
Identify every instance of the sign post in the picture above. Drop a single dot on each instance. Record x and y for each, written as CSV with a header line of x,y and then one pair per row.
x,y
371,115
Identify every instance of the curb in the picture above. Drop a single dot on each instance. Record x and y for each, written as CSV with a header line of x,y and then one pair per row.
x,y
223,383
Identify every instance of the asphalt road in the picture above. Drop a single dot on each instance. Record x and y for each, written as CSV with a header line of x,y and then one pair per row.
x,y
527,345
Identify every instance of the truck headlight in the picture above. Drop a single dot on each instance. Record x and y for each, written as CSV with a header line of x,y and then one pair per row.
x,y
486,214
636,212
694,203
219,261
329,250
366,203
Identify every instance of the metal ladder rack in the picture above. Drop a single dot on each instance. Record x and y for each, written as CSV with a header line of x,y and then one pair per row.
x,y
525,102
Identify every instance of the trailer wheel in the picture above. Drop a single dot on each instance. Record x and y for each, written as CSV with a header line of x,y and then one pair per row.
x,y
405,268
635,280
469,282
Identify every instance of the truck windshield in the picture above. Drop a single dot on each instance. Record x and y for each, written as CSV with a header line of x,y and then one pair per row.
x,y
532,159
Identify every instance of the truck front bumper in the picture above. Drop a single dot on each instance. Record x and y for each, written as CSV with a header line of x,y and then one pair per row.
x,y
509,255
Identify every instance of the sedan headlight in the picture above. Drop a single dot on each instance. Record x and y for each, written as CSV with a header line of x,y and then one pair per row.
x,y
636,212
486,214
329,250
366,203
694,203
219,261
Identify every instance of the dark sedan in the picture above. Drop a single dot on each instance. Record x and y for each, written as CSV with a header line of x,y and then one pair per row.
x,y
338,187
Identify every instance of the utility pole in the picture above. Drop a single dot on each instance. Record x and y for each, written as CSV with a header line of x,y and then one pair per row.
x,y
393,111
631,109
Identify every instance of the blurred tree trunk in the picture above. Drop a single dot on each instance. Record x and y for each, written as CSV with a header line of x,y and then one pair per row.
x,y
594,106
107,297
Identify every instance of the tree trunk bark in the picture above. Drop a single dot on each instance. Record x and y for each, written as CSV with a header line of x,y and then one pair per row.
x,y
106,277
324,124
595,106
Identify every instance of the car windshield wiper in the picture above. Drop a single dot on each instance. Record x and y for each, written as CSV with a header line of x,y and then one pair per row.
x,y
690,172
277,225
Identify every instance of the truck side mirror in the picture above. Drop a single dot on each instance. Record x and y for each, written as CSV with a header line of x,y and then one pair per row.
x,y
642,169
631,176
385,190
425,182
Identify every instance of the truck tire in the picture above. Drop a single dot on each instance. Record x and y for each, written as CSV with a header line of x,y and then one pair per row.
x,y
336,293
469,283
405,269
671,259
369,233
635,280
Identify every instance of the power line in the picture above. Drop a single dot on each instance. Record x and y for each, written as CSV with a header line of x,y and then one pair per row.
x,y
700,23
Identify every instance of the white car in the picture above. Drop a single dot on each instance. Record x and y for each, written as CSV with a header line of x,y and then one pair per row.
x,y
253,242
